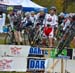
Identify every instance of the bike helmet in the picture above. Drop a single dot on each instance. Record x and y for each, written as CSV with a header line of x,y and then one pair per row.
x,y
32,12
27,13
53,8
41,10
61,14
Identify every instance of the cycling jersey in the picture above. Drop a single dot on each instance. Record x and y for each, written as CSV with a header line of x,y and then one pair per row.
x,y
66,24
40,19
33,20
26,22
51,20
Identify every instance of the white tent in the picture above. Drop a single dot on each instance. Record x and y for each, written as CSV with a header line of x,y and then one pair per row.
x,y
27,5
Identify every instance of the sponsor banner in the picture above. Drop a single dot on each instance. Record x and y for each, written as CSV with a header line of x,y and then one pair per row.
x,y
18,50
55,51
66,53
36,52
13,64
36,64
28,51
14,50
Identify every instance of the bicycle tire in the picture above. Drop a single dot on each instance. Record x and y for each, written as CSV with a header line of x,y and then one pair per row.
x,y
7,39
26,38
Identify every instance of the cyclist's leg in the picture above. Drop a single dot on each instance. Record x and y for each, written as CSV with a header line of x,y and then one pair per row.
x,y
73,42
51,39
20,38
44,39
16,37
51,42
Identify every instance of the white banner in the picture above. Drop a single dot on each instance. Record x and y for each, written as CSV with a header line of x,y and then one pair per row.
x,y
14,50
70,68
18,64
54,65
73,54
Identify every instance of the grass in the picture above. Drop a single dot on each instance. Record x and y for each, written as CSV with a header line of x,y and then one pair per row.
x,y
1,41
72,43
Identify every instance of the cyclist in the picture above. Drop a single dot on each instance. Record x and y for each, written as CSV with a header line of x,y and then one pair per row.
x,y
52,25
66,22
17,27
60,25
61,18
41,17
10,17
33,18
27,21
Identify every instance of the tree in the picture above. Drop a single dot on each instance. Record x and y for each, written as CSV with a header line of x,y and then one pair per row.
x,y
71,7
59,4
62,5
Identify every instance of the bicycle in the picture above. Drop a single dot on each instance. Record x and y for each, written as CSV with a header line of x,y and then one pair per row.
x,y
9,38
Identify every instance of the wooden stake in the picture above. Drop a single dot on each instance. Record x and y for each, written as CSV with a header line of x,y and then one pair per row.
x,y
62,66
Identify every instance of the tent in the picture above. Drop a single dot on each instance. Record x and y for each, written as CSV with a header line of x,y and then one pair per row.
x,y
31,6
28,5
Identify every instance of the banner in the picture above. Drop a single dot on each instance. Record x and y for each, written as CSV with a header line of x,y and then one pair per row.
x,y
36,52
28,51
66,53
27,58
54,65
18,64
14,50
70,68
35,64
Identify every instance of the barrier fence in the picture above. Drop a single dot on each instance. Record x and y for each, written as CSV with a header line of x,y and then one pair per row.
x,y
35,59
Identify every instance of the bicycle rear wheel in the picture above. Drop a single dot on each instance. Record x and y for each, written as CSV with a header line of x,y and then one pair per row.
x,y
7,39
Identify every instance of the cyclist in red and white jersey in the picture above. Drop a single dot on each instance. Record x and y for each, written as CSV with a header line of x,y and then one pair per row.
x,y
51,24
